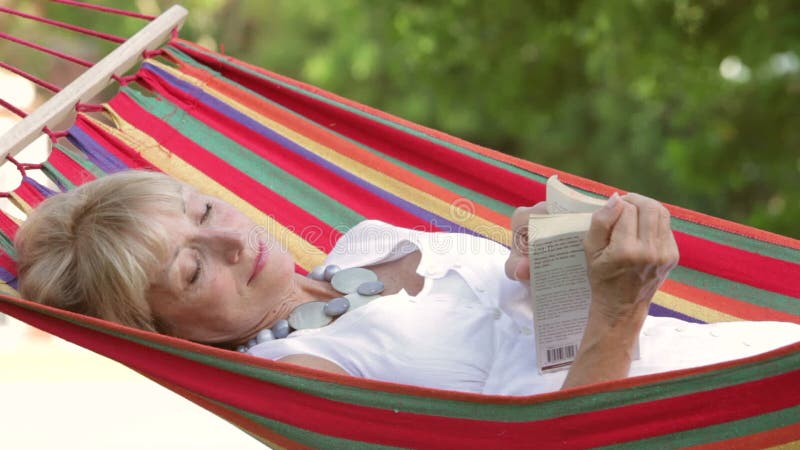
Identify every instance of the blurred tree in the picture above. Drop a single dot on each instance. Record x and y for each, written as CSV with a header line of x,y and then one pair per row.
x,y
695,103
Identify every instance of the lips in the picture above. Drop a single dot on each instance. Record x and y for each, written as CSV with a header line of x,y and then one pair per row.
x,y
259,261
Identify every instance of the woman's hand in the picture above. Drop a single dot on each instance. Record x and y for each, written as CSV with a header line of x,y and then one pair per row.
x,y
630,250
518,265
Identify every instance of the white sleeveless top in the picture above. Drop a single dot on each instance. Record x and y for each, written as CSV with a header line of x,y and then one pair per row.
x,y
470,328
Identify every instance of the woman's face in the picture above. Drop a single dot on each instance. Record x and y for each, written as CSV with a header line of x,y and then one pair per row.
x,y
224,278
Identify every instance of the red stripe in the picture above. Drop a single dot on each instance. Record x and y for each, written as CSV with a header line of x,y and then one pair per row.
x,y
7,225
739,265
30,194
9,264
242,185
350,195
325,137
70,169
769,438
726,305
602,427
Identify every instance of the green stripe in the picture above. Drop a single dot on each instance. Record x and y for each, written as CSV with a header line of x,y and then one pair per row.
x,y
273,177
56,176
7,246
712,234
481,411
716,433
740,291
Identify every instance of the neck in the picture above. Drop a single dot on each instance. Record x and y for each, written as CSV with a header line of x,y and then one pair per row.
x,y
300,290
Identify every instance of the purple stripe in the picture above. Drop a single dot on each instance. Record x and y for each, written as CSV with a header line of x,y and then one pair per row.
x,y
97,154
273,136
8,278
45,191
661,311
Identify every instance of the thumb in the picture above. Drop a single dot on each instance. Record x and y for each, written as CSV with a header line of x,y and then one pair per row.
x,y
603,221
523,270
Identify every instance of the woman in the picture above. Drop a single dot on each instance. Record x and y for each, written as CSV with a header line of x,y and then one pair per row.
x,y
144,250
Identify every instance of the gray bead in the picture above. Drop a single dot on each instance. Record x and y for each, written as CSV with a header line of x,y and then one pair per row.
x,y
318,273
370,288
309,315
264,335
281,329
336,307
330,271
348,280
241,349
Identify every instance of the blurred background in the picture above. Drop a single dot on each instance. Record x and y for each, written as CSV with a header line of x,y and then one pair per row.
x,y
696,103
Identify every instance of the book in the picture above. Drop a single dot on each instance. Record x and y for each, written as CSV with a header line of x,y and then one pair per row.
x,y
560,288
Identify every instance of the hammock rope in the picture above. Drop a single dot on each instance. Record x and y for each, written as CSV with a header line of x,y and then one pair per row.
x,y
307,165
56,23
107,9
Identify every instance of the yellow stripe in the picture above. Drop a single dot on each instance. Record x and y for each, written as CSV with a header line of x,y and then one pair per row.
x,y
23,206
428,202
690,309
8,290
306,255
794,445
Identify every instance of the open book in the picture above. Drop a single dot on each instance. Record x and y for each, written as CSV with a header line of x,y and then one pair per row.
x,y
559,280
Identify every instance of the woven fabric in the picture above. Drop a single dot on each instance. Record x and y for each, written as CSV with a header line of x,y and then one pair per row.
x,y
307,165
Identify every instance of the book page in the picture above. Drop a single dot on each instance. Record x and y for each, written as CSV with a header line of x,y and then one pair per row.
x,y
560,288
563,199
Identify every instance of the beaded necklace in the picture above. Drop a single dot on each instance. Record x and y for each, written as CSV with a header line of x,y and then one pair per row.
x,y
357,285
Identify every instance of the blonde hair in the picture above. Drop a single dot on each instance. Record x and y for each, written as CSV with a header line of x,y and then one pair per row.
x,y
93,250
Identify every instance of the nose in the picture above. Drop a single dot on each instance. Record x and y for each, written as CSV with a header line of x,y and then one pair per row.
x,y
227,244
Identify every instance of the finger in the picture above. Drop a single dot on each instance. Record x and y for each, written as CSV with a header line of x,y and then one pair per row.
x,y
668,247
626,228
603,221
649,213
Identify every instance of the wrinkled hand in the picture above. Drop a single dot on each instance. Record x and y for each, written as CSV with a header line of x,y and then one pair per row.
x,y
630,250
518,265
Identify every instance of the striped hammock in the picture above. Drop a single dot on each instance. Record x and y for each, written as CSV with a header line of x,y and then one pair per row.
x,y
307,165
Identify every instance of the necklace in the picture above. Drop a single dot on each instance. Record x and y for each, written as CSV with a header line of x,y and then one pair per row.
x,y
357,285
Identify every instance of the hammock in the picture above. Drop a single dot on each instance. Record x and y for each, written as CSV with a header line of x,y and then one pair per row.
x,y
307,165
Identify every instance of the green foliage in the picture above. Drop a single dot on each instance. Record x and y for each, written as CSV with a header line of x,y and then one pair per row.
x,y
629,93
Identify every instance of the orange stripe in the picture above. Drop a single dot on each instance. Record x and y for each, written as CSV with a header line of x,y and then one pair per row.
x,y
770,438
344,147
726,305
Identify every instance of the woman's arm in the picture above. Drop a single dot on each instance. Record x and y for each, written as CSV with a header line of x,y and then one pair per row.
x,y
630,250
314,362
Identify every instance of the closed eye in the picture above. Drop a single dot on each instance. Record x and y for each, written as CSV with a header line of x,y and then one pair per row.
x,y
206,213
197,270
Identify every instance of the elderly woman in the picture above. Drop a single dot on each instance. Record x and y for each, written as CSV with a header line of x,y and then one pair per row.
x,y
441,310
